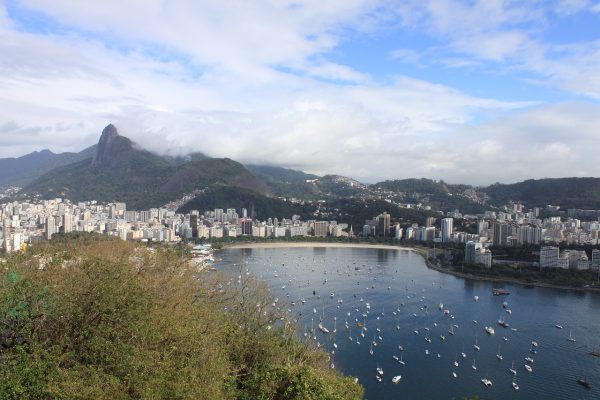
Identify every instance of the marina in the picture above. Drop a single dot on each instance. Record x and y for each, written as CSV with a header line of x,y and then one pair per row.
x,y
376,310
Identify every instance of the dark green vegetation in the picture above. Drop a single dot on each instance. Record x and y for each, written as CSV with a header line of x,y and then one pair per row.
x,y
566,192
440,195
97,319
121,172
258,205
23,170
355,212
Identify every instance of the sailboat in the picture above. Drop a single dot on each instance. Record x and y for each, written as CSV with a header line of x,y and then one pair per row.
x,y
498,355
473,366
512,368
454,373
451,331
571,338
371,351
476,346
401,359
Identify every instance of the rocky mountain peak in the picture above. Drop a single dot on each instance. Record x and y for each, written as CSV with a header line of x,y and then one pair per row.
x,y
109,145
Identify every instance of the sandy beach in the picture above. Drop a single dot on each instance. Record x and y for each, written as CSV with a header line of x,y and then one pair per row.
x,y
315,244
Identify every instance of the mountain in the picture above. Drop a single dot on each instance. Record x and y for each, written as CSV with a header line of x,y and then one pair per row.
x,y
565,192
23,170
120,171
287,182
258,205
437,194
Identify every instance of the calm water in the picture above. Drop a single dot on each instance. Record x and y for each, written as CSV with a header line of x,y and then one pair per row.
x,y
398,282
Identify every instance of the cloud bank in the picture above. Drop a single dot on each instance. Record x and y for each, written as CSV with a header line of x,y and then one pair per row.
x,y
266,82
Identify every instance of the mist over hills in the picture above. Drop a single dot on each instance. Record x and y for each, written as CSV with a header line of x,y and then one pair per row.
x,y
117,169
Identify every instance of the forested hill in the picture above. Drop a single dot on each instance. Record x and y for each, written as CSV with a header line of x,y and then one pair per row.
x,y
566,192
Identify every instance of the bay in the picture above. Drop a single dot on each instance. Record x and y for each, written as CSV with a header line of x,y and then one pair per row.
x,y
404,297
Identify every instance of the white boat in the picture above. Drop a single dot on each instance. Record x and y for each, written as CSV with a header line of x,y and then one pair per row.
x,y
396,379
401,359
322,328
498,355
534,343
486,382
512,369
571,338
454,374
379,371
426,352
396,358
489,330
528,368
529,360
476,298
473,366
476,346
558,326
378,378
515,386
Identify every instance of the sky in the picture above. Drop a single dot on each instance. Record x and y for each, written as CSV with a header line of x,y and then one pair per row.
x,y
470,91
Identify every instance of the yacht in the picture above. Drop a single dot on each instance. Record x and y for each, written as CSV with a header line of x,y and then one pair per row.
x,y
489,330
515,386
396,379
476,346
486,382
529,360
528,368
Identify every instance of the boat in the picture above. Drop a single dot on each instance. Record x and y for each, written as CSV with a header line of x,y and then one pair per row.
x,y
529,360
396,379
378,378
534,343
476,346
503,323
498,355
583,382
379,371
558,326
426,352
476,298
322,328
451,331
489,330
571,338
500,292
528,368
454,374
512,369
473,366
486,382
515,386
594,353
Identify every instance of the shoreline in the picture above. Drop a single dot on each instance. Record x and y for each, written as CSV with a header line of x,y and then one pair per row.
x,y
278,245
420,250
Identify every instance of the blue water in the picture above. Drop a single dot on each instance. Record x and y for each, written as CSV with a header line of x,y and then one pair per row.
x,y
392,280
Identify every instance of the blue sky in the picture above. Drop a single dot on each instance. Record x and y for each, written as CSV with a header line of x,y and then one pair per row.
x,y
465,91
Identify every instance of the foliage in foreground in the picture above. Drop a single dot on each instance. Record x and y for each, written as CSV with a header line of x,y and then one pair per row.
x,y
109,319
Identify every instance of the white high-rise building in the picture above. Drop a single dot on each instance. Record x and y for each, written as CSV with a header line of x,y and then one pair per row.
x,y
446,229
549,257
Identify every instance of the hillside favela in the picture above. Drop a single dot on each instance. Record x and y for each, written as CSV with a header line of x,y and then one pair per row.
x,y
337,200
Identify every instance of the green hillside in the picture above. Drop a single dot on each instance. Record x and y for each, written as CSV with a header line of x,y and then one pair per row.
x,y
566,192
118,171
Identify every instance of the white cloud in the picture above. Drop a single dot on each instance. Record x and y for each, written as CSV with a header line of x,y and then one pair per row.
x,y
250,81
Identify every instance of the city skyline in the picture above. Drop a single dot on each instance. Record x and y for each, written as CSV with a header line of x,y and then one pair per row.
x,y
470,92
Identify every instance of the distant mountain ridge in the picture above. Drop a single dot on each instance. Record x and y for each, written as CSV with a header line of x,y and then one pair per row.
x,y
116,169
22,170
566,192
119,171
